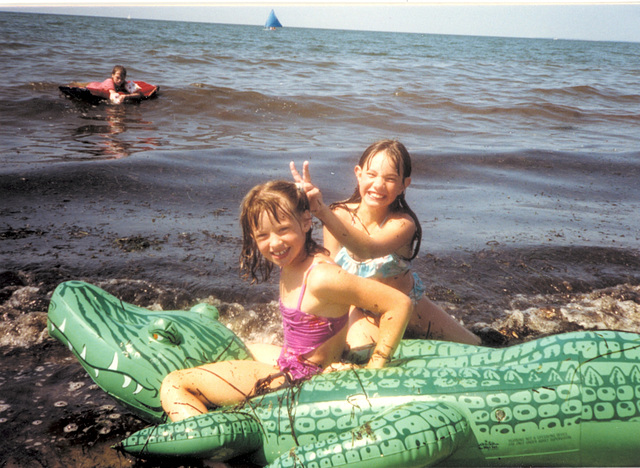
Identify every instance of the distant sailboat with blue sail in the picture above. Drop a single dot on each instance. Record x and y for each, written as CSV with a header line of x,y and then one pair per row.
x,y
272,22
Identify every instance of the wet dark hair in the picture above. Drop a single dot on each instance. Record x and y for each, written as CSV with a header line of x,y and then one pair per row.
x,y
119,68
399,156
279,199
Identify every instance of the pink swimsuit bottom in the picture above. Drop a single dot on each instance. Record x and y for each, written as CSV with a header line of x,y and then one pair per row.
x,y
304,333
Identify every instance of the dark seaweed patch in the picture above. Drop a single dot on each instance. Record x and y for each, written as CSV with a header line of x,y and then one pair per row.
x,y
20,233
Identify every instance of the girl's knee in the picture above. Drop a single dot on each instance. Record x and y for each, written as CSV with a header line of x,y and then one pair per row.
x,y
170,384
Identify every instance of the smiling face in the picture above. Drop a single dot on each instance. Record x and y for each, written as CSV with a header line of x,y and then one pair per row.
x,y
379,181
282,240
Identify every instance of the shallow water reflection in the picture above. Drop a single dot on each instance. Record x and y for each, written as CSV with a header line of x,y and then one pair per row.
x,y
114,132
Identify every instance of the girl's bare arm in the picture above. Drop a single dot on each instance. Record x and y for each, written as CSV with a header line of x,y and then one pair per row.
x,y
336,290
394,235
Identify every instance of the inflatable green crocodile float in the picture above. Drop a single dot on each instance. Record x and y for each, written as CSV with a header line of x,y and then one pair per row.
x,y
565,400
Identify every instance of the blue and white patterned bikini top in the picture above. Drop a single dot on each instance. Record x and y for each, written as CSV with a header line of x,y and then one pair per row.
x,y
381,267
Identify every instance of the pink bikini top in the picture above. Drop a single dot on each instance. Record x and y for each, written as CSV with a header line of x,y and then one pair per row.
x,y
306,332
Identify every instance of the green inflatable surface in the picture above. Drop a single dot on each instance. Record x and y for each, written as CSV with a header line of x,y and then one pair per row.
x,y
565,400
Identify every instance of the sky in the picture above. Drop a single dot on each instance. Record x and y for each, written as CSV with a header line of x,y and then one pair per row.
x,y
613,20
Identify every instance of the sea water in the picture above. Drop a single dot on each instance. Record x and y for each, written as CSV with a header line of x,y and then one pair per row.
x,y
525,152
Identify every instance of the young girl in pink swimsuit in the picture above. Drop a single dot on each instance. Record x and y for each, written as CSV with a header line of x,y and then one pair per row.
x,y
374,234
315,298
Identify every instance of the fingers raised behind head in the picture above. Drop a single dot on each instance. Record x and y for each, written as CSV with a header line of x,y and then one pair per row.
x,y
294,172
306,175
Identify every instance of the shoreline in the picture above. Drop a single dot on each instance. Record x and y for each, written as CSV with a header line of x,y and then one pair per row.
x,y
482,286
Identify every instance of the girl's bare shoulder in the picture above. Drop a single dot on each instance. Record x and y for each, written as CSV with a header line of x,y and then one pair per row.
x,y
325,271
328,283
343,209
400,218
321,261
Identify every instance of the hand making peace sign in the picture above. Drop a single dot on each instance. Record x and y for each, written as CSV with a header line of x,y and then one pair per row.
x,y
313,193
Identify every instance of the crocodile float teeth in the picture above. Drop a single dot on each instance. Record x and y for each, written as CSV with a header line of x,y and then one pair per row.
x,y
63,325
127,381
114,363
138,389
83,354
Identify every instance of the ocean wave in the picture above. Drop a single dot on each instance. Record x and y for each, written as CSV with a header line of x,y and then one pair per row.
x,y
608,96
529,109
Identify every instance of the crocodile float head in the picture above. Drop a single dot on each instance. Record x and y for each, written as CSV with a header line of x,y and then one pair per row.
x,y
128,350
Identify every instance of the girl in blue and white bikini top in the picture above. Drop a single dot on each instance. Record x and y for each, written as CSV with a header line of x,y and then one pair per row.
x,y
376,224
383,267
380,268
375,268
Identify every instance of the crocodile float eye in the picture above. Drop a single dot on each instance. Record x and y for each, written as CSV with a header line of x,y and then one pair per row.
x,y
164,331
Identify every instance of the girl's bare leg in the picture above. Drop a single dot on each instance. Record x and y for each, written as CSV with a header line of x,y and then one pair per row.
x,y
429,321
364,329
266,353
190,392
